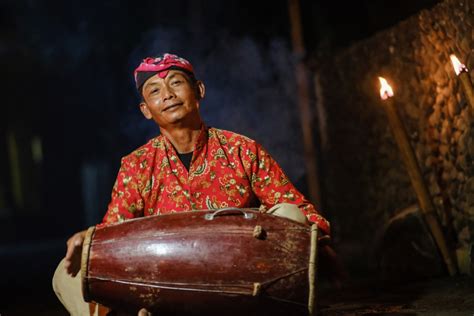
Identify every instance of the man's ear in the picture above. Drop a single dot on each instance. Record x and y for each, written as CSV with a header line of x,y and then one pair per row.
x,y
200,89
146,112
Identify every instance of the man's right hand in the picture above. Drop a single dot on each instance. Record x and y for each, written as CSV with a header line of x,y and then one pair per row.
x,y
73,254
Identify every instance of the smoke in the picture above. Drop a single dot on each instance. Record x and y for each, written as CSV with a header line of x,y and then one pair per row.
x,y
250,89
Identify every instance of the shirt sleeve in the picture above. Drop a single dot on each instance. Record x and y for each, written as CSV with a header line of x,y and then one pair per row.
x,y
272,186
126,201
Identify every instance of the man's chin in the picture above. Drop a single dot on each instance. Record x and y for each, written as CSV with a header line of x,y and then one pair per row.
x,y
173,120
180,117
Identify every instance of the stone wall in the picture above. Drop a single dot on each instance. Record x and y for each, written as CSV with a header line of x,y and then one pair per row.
x,y
364,180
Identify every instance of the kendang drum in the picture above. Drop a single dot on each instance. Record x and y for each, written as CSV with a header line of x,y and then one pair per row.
x,y
226,262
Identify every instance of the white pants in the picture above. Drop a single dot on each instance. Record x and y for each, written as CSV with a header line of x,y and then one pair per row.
x,y
69,291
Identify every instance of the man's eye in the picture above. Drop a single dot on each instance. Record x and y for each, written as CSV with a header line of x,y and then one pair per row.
x,y
154,91
176,82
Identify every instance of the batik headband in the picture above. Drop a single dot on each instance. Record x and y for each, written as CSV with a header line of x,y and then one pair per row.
x,y
151,66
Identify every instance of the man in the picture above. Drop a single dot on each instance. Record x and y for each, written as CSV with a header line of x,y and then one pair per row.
x,y
189,166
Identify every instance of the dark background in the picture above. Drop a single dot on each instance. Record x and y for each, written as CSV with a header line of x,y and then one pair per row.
x,y
69,107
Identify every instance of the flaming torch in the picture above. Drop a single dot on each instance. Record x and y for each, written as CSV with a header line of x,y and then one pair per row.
x,y
408,155
463,73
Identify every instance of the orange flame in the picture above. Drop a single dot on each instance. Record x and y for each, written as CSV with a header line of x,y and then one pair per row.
x,y
386,90
457,65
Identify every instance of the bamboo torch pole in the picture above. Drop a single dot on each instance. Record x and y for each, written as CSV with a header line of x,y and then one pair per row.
x,y
304,102
426,205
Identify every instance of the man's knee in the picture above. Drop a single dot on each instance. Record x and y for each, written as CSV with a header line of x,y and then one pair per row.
x,y
59,278
69,292
287,210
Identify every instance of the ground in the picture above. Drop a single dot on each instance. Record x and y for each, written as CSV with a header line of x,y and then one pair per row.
x,y
440,297
448,296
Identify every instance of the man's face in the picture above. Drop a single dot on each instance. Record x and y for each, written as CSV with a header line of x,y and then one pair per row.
x,y
172,100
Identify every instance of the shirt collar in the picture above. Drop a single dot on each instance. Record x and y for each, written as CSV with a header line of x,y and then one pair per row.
x,y
200,142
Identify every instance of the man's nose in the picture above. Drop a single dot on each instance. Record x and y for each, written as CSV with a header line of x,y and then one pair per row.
x,y
168,93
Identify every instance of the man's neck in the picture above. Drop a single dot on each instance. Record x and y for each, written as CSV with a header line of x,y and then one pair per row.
x,y
183,139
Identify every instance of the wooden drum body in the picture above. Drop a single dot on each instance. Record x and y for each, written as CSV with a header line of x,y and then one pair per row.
x,y
225,262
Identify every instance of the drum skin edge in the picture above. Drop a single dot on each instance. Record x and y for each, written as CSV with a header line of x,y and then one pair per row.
x,y
85,262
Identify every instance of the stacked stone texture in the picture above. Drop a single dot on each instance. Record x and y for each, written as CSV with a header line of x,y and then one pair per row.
x,y
364,178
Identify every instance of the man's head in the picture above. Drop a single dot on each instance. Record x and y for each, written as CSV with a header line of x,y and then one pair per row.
x,y
170,92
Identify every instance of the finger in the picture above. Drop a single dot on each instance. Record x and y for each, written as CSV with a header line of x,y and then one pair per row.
x,y
71,250
68,265
72,258
75,264
73,244
78,241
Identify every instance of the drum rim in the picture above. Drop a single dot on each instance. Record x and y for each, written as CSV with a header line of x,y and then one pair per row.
x,y
85,262
252,210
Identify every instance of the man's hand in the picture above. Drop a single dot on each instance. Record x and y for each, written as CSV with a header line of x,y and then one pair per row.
x,y
73,254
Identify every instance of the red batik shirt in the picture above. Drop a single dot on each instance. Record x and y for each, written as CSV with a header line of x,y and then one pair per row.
x,y
227,170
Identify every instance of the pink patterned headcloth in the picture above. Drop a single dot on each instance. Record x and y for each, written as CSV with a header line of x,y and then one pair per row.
x,y
161,65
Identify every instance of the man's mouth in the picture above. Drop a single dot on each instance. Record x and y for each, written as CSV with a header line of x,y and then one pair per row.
x,y
172,106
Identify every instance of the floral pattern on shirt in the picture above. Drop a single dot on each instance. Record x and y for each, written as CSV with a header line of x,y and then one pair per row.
x,y
227,170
